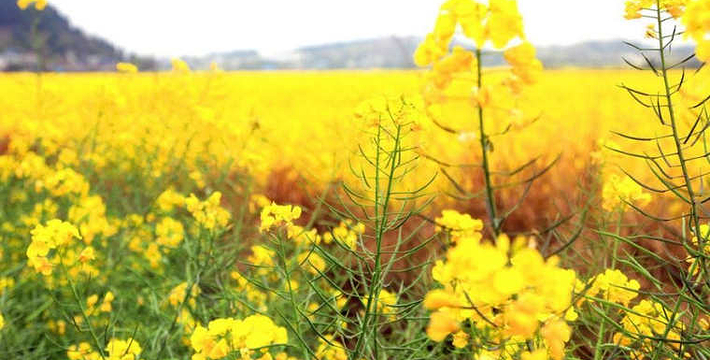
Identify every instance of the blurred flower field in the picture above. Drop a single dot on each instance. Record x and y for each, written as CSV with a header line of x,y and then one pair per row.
x,y
457,211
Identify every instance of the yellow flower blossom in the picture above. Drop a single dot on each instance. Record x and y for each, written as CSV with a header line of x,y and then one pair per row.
x,y
169,232
54,234
125,67
275,215
616,191
459,225
123,349
39,4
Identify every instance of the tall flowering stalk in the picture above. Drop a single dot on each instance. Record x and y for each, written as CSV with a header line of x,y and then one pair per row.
x,y
666,324
497,24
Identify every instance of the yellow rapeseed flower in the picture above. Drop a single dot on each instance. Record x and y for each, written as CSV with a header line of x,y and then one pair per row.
x,y
125,67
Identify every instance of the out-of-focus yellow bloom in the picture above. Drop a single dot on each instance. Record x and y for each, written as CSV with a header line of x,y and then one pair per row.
x,y
208,213
313,262
87,254
152,253
634,8
386,303
613,285
123,349
39,4
54,234
83,351
643,323
301,236
106,305
539,354
460,339
125,67
459,225
441,325
275,215
6,283
697,26
616,191
180,66
436,299
223,336
556,333
2,321
525,65
169,232
169,199
178,293
330,349
346,233
504,22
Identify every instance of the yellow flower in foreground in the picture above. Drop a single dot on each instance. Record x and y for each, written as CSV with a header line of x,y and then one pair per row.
x,y
539,354
436,299
2,322
441,324
123,349
556,333
226,335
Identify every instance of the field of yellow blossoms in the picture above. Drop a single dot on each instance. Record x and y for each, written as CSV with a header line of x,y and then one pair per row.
x,y
451,212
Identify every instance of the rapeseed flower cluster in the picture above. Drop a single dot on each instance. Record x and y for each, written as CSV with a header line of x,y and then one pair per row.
x,y
459,225
93,185
634,8
347,233
618,191
116,349
45,238
697,26
646,321
274,215
208,213
39,4
506,288
614,286
498,22
225,336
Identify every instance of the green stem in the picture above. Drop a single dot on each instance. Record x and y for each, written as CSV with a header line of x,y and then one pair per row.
x,y
679,148
490,199
84,316
602,326
380,216
292,299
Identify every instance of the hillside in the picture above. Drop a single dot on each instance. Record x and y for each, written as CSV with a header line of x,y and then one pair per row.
x,y
396,52
63,47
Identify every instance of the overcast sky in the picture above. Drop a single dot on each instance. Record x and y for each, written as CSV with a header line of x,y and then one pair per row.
x,y
182,27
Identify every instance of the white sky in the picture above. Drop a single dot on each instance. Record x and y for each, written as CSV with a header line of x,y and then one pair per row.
x,y
183,27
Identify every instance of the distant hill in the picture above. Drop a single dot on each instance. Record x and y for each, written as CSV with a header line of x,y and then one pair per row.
x,y
396,52
63,47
